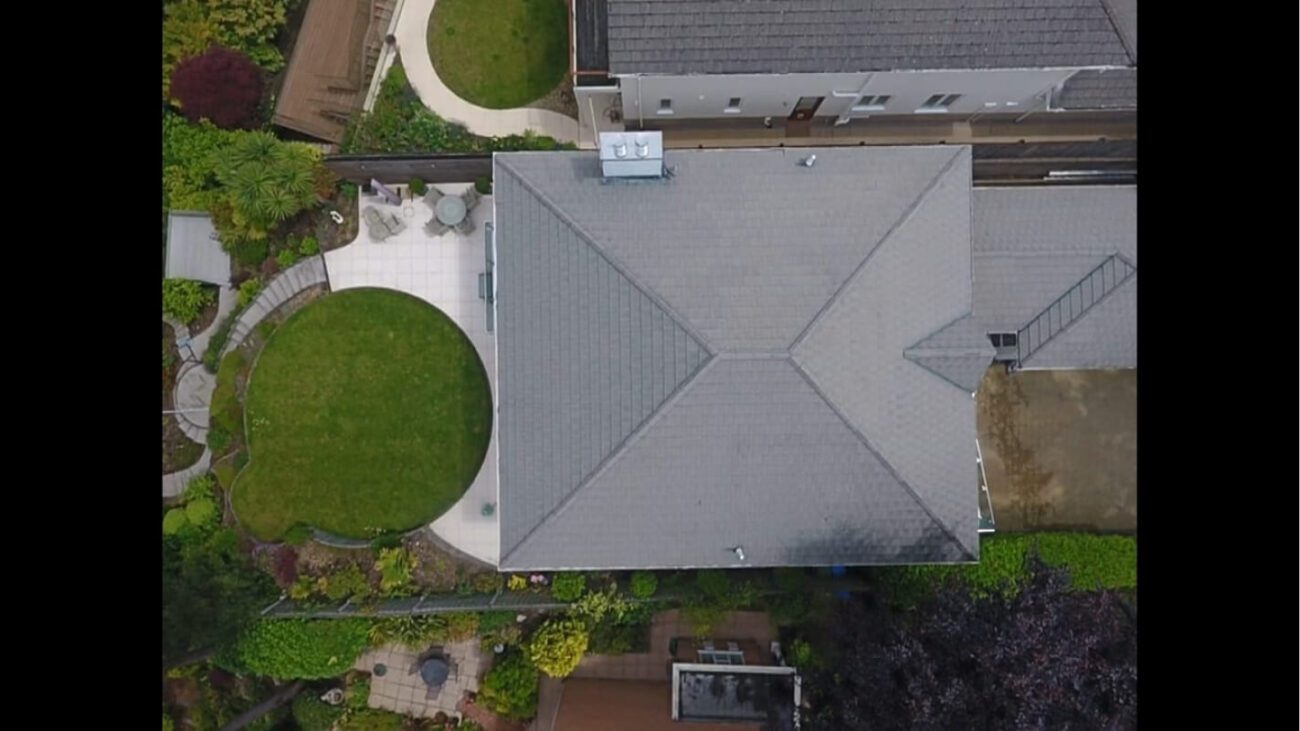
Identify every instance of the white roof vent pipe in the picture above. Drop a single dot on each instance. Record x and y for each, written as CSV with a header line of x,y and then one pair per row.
x,y
642,147
809,161
619,147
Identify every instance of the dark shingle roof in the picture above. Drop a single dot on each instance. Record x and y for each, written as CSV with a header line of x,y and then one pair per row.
x,y
827,36
1113,89
1031,245
784,417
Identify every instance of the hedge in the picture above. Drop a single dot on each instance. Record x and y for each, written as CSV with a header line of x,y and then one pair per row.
x,y
1093,562
308,649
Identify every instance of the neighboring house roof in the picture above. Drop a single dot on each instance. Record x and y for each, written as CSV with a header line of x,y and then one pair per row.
x,y
193,249
720,359
327,76
1031,245
828,36
1111,89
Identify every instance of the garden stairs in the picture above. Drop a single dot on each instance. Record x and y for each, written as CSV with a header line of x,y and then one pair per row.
x,y
306,273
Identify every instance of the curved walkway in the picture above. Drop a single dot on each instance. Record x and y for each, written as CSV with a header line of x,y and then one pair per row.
x,y
413,46
300,276
175,482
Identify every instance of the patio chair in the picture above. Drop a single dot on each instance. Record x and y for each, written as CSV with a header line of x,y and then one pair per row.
x,y
466,226
432,196
378,231
371,215
471,198
435,227
395,225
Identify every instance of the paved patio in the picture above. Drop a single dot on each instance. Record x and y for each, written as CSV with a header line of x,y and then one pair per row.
x,y
413,46
1060,448
403,691
442,271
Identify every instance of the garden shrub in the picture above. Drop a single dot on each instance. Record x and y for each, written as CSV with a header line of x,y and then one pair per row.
x,y
1093,561
386,541
248,291
264,181
250,252
597,607
349,581
202,513
313,714
396,567
175,521
644,584
189,161
298,534
373,719
309,246
802,655
349,190
460,626
788,608
789,578
221,85
357,694
200,487
289,649
483,184
558,646
418,187
492,621
517,582
169,359
217,343
713,583
409,630
185,299
286,258
170,725
249,26
704,618
485,583
219,439
567,587
510,688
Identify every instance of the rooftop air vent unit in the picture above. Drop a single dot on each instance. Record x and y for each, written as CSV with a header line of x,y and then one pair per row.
x,y
632,154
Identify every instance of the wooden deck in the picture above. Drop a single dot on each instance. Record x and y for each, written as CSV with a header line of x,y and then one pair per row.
x,y
329,70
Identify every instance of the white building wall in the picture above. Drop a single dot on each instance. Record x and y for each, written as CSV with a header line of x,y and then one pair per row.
x,y
764,95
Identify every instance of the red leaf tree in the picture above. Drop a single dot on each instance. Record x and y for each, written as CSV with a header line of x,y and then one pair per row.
x,y
221,85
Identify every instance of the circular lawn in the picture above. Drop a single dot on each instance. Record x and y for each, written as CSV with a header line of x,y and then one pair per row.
x,y
368,411
500,54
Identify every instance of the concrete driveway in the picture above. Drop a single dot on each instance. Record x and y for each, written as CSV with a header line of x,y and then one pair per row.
x,y
1060,448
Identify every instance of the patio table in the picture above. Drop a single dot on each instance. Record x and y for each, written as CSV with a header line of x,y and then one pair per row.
x,y
450,209
434,672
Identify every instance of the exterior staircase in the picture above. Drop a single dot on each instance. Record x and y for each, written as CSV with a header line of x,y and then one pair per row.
x,y
1072,305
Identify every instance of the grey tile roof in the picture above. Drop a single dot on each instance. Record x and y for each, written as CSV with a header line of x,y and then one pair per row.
x,y
1031,245
826,36
584,356
799,431
1124,14
1113,89
193,249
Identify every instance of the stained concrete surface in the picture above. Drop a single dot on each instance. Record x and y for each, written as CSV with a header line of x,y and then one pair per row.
x,y
1060,448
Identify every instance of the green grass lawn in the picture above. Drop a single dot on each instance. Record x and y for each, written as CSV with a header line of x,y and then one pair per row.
x,y
368,410
500,53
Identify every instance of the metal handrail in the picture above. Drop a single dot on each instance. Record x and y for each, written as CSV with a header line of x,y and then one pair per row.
x,y
1034,328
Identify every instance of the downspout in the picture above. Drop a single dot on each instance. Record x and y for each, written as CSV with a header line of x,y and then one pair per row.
x,y
640,110
1046,96
595,133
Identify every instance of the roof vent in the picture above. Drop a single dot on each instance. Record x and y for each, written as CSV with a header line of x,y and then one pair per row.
x,y
646,162
809,161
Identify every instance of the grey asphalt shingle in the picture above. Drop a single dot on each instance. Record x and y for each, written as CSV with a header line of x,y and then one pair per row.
x,y
1113,89
1031,245
827,36
834,450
